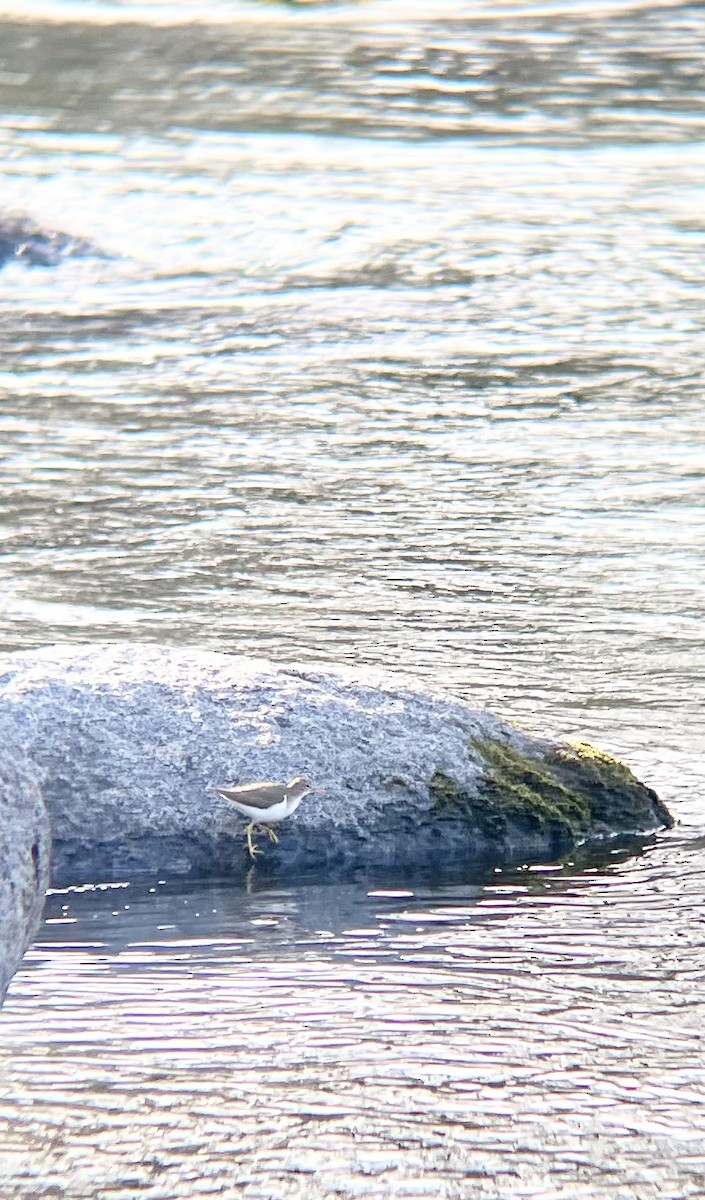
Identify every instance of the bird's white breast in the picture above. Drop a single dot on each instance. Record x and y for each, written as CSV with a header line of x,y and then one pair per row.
x,y
285,807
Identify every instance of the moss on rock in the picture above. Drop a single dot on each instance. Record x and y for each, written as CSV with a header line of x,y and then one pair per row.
x,y
617,799
566,795
516,793
445,789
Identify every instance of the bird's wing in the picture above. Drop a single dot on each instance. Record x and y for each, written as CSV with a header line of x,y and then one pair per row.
x,y
255,795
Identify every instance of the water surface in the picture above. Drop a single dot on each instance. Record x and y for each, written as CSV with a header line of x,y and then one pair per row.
x,y
533,1033
393,354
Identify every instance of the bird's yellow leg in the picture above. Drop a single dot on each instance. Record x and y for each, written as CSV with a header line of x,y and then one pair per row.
x,y
272,835
254,851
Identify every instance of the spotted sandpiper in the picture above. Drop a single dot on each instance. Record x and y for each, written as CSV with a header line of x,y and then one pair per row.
x,y
267,803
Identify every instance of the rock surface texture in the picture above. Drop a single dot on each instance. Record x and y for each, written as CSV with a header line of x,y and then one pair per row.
x,y
22,240
131,737
24,862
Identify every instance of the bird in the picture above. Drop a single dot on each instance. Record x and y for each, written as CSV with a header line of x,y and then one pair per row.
x,y
267,803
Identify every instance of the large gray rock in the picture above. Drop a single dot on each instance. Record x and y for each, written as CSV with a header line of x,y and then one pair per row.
x,y
130,738
24,862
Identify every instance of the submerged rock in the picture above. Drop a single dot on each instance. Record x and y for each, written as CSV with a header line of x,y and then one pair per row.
x,y
131,738
24,862
21,239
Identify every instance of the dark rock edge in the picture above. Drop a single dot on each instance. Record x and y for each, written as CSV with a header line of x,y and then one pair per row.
x,y
571,794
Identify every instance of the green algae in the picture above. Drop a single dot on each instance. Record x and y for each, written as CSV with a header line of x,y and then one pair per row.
x,y
445,789
516,793
566,795
617,798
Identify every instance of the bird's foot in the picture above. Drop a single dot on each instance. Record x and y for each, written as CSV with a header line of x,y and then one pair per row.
x,y
272,835
254,850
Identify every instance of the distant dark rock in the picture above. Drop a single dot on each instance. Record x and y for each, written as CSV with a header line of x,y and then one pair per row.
x,y
130,738
24,861
21,239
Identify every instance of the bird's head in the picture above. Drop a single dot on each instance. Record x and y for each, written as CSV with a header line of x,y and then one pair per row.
x,y
299,787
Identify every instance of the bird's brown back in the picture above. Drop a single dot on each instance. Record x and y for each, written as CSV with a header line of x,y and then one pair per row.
x,y
256,795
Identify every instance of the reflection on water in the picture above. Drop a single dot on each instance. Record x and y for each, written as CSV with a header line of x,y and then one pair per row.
x,y
394,355
511,1035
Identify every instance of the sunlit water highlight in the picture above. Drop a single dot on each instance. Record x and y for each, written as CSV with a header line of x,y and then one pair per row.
x,y
534,1033
394,354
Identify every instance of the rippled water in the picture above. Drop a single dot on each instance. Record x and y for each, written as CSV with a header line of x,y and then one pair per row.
x,y
393,354
534,1033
